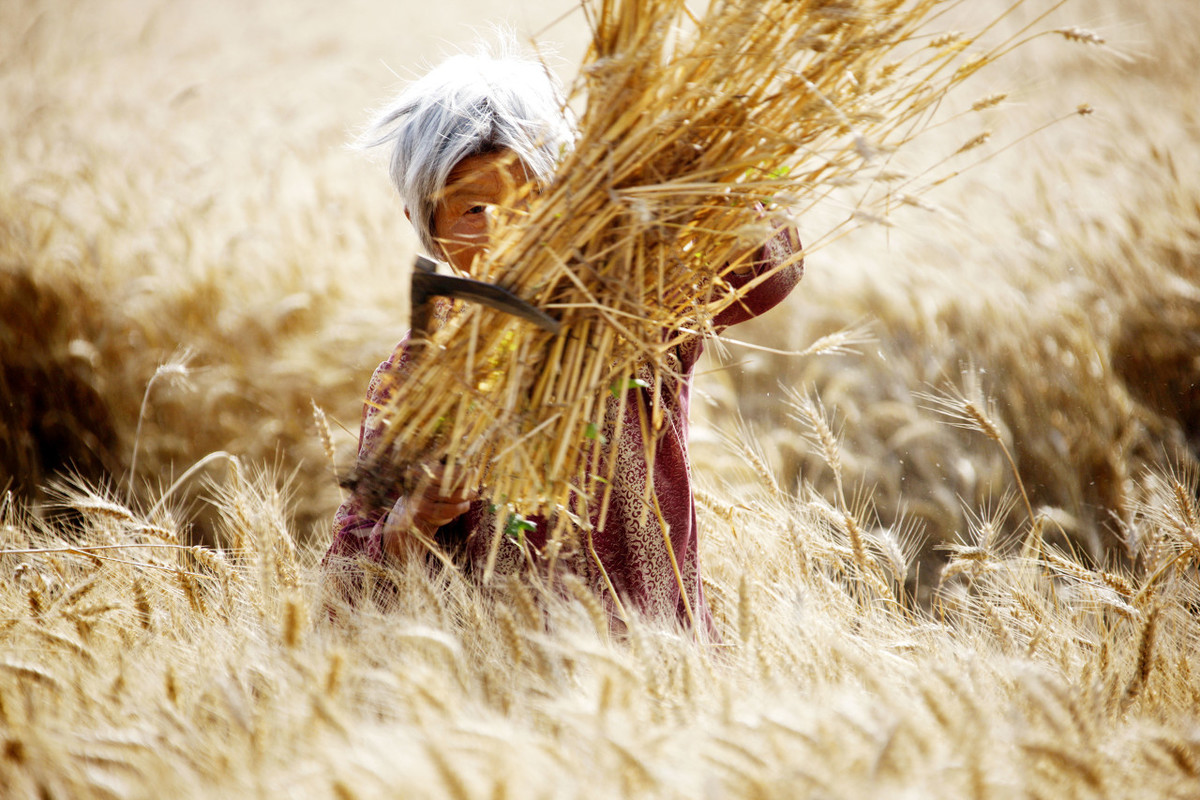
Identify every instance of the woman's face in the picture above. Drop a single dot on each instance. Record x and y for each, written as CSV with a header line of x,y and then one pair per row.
x,y
479,187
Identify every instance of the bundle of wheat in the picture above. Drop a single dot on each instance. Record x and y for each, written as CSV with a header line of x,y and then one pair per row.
x,y
693,127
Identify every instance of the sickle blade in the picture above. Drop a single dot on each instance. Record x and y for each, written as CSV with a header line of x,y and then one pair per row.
x,y
426,283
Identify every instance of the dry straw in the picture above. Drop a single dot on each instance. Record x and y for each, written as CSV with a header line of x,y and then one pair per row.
x,y
697,130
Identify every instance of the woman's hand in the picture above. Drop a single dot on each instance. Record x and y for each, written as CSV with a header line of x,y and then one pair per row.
x,y
424,511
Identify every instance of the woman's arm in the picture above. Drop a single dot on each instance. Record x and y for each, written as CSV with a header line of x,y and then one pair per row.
x,y
357,528
379,531
782,257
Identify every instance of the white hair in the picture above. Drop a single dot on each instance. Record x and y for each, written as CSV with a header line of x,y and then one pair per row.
x,y
468,105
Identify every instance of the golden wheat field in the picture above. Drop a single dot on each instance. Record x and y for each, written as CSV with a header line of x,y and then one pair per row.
x,y
956,557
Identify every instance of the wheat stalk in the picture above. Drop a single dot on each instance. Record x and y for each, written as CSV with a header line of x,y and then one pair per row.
x,y
176,371
969,408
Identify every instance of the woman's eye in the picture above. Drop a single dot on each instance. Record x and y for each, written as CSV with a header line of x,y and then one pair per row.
x,y
476,209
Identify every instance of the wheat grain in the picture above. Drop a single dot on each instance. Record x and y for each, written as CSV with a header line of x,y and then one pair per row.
x,y
944,39
1076,34
812,414
34,673
590,602
80,650
454,784
1145,657
166,534
79,591
322,710
511,634
989,101
1068,762
745,618
434,599
293,614
709,501
191,591
14,751
868,569
970,408
521,598
636,775
1117,583
999,628
333,675
322,424
141,604
1181,755
209,559
37,604
747,443
1185,503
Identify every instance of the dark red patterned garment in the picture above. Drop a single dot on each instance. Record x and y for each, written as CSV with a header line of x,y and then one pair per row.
x,y
630,545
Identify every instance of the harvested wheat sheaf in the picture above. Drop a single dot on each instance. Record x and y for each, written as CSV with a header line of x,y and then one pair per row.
x,y
700,137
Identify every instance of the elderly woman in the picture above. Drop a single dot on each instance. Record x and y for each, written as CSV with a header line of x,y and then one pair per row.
x,y
470,137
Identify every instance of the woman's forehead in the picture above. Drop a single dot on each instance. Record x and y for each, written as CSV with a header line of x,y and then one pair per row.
x,y
496,171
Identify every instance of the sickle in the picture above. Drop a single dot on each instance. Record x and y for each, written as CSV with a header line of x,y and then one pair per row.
x,y
428,283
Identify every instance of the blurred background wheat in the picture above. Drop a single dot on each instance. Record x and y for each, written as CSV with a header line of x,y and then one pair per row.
x,y
956,558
